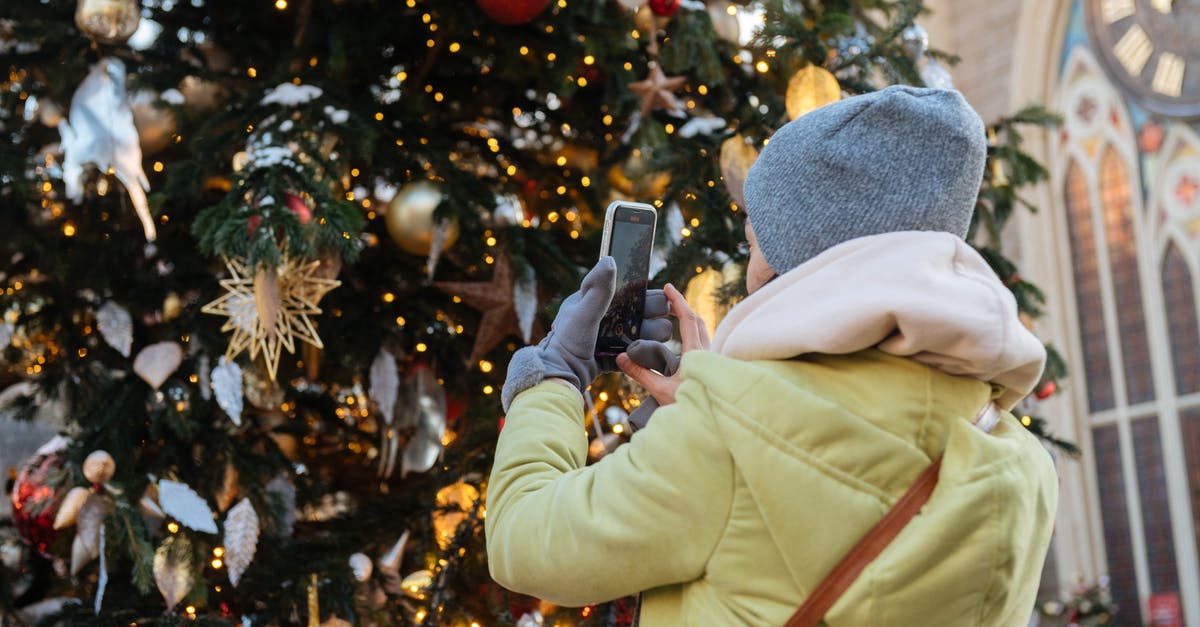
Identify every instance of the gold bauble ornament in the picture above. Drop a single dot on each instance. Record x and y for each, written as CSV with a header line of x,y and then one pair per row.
x,y
199,93
240,159
725,24
416,585
108,21
636,180
703,294
217,183
810,88
736,158
172,306
582,159
454,502
647,21
260,390
156,124
410,218
99,467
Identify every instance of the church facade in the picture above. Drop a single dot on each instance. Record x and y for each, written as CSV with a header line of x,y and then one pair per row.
x,y
1116,247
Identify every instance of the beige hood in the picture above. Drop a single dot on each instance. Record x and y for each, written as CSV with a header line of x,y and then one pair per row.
x,y
924,295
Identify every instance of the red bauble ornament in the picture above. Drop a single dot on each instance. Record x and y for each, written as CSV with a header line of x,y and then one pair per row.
x,y
296,205
34,501
664,8
1047,390
454,408
513,11
590,72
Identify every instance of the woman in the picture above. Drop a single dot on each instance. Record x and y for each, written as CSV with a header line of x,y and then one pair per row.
x,y
871,343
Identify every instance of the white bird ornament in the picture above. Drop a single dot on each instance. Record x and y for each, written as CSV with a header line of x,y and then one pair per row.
x,y
100,132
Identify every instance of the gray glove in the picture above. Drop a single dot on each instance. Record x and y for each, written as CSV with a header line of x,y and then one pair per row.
x,y
657,356
568,351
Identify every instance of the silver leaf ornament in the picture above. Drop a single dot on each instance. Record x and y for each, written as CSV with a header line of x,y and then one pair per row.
x,y
283,495
533,619
88,527
183,504
701,126
361,566
935,75
427,402
202,374
227,385
100,132
171,572
525,301
440,233
241,539
116,326
102,584
158,361
385,384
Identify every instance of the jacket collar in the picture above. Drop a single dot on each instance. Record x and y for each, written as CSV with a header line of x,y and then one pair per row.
x,y
924,295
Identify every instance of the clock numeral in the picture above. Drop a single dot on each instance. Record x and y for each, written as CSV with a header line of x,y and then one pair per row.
x,y
1163,6
1116,10
1134,50
1168,76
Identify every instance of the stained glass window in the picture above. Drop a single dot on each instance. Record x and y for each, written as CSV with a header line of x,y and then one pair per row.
x,y
1116,199
1090,310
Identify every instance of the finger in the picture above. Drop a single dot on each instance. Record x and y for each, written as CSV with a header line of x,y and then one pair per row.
x,y
644,376
657,330
653,355
660,387
693,333
596,293
640,417
656,304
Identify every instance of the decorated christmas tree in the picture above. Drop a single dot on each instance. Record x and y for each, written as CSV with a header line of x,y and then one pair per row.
x,y
269,260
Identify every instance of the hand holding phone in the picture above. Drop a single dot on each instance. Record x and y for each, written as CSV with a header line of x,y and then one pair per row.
x,y
628,238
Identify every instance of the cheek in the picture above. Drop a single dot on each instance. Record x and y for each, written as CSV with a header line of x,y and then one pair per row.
x,y
757,272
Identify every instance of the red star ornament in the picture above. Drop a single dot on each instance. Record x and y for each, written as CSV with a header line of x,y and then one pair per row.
x,y
658,91
497,301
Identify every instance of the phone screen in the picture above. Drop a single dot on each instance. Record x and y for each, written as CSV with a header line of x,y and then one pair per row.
x,y
629,245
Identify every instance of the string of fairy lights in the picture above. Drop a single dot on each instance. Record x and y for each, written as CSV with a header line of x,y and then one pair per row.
x,y
488,153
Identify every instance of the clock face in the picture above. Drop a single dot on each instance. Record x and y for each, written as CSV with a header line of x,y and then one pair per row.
x,y
1151,48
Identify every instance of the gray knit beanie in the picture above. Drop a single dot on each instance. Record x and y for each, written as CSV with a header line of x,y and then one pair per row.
x,y
899,159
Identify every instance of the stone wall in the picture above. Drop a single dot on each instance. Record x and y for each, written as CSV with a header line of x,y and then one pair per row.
x,y
983,33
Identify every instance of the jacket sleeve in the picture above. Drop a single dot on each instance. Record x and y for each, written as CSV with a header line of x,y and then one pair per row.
x,y
647,515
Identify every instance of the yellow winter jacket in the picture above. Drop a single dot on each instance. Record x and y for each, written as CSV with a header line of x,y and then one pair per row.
x,y
736,500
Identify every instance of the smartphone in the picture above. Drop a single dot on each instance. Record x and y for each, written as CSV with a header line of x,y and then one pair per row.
x,y
628,239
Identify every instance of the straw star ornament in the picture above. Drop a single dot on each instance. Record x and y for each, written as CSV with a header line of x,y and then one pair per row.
x,y
270,309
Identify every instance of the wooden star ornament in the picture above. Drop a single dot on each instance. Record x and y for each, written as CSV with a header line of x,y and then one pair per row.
x,y
658,91
497,299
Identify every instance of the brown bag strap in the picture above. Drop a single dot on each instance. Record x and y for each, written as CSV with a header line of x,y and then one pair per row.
x,y
868,548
